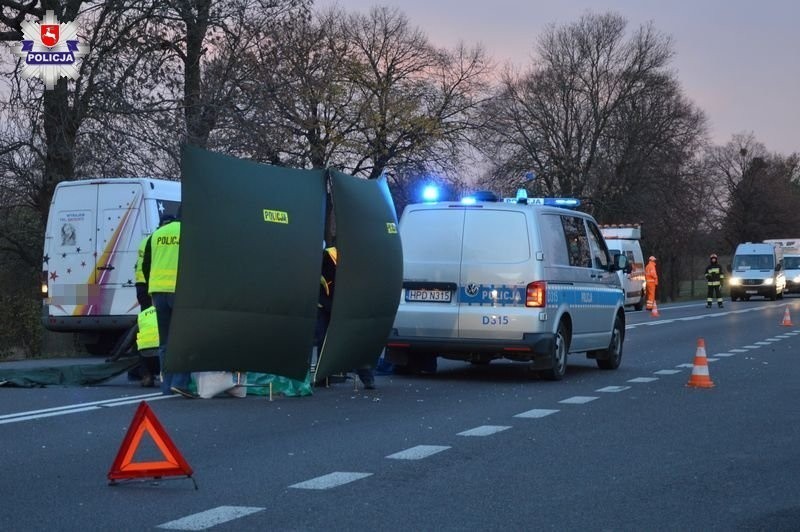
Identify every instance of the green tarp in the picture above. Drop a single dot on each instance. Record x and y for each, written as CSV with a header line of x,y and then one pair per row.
x,y
369,275
249,268
74,375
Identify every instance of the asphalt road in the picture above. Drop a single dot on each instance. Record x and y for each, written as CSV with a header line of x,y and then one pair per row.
x,y
472,447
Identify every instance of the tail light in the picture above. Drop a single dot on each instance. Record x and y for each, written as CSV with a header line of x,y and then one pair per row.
x,y
44,283
535,294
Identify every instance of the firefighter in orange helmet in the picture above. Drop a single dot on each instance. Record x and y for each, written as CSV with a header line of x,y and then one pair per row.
x,y
651,278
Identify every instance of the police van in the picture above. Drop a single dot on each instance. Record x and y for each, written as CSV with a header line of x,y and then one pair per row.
x,y
624,239
526,280
91,243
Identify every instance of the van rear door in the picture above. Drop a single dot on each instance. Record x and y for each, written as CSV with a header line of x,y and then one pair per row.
x,y
431,239
90,251
495,259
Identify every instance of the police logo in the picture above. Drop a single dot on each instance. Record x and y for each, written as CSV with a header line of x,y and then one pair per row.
x,y
471,289
49,50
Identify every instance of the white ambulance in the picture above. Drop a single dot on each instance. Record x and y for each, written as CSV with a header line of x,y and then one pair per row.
x,y
624,239
524,280
90,250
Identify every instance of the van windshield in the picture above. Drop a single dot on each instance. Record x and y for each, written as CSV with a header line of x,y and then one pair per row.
x,y
753,262
791,263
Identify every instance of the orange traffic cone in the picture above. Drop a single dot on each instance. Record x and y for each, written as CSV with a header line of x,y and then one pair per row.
x,y
700,377
787,319
654,313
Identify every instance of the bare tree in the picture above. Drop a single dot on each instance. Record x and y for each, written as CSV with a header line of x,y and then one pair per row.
x,y
417,103
551,119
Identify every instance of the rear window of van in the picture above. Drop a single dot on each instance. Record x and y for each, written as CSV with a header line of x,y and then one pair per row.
x,y
432,235
496,237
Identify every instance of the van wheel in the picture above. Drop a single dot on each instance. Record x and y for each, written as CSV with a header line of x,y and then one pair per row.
x,y
559,356
610,358
638,306
780,296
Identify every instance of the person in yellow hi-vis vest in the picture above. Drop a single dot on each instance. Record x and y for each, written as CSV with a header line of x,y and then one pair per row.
x,y
160,267
147,344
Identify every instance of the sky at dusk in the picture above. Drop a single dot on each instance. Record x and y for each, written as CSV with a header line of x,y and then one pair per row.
x,y
737,60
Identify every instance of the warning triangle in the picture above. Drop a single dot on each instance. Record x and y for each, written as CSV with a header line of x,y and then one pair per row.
x,y
173,464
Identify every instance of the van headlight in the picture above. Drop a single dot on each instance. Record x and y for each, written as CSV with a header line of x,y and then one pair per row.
x,y
769,280
735,281
796,279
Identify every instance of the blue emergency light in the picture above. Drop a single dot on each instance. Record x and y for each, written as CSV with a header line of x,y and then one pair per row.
x,y
430,193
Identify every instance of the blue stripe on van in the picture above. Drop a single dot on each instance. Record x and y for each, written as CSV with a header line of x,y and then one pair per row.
x,y
514,295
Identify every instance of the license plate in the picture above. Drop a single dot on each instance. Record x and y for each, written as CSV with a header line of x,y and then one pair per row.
x,y
751,291
429,295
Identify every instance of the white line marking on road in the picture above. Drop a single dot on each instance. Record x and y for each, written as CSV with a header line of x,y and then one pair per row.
x,y
331,480
13,418
613,389
739,350
752,346
724,354
80,405
578,400
692,318
711,359
762,343
784,336
667,372
536,413
687,365
418,452
643,379
770,340
209,518
484,430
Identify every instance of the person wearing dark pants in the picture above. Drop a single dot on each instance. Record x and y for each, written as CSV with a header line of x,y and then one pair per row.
x,y
714,278
160,265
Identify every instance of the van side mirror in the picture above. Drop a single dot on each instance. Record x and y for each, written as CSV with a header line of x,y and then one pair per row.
x,y
621,263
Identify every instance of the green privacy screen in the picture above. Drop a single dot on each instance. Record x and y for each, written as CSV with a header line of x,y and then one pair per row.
x,y
249,266
369,275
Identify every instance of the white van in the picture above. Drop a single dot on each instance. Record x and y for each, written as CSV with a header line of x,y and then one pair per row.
x,y
791,261
757,270
487,280
624,239
90,249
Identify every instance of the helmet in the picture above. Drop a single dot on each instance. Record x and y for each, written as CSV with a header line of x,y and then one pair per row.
x,y
651,258
713,256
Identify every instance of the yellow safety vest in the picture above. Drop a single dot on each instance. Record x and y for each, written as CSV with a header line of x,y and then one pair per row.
x,y
139,274
164,246
147,337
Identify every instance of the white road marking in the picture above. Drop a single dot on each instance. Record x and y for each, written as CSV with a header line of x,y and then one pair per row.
x,y
643,379
667,371
687,365
209,518
739,350
762,343
578,400
484,430
752,346
536,413
612,389
331,480
418,452
710,359
692,318
770,340
80,407
724,354
784,336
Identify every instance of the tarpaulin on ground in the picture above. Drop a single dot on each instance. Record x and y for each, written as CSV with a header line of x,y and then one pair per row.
x,y
70,375
369,275
249,266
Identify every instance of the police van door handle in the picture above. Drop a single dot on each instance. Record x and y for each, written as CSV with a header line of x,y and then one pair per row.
x,y
109,267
